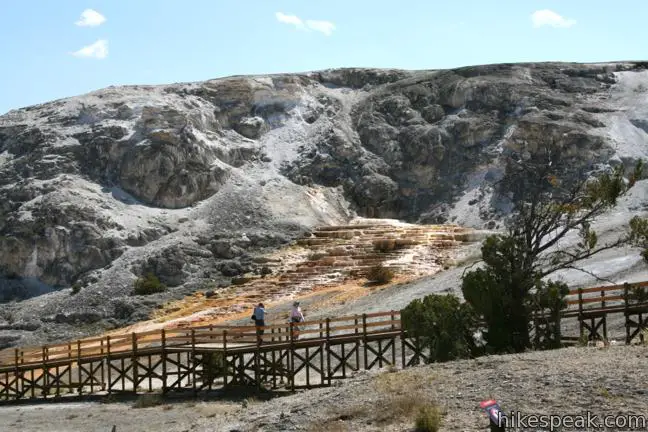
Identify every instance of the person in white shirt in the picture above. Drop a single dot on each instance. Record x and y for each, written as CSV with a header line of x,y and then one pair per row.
x,y
296,316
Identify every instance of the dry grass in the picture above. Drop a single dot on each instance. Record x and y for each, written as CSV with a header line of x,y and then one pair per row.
x,y
148,401
380,274
333,426
403,382
384,245
428,419
403,399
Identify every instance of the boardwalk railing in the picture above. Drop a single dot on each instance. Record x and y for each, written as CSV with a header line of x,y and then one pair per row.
x,y
306,354
593,305
195,359
211,335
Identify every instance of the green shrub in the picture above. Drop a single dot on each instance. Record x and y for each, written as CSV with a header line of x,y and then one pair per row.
x,y
380,274
149,284
213,366
384,245
389,245
637,294
241,280
639,234
499,292
428,419
265,271
548,300
444,325
76,288
315,256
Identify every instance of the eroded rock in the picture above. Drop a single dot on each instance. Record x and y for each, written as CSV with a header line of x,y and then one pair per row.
x,y
190,181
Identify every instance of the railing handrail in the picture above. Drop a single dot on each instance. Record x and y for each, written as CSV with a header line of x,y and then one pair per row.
x,y
206,334
605,288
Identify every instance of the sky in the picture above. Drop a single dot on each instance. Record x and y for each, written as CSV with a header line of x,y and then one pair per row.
x,y
52,49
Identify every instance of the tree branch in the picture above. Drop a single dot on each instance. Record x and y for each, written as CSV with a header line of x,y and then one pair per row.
x,y
574,257
471,266
552,216
572,225
594,275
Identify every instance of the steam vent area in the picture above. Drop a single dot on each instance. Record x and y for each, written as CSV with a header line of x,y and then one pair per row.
x,y
332,262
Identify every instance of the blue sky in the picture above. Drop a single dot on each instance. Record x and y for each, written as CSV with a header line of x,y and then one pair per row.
x,y
51,49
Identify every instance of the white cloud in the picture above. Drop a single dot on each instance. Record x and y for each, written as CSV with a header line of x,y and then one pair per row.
x,y
325,27
550,18
98,50
90,18
290,19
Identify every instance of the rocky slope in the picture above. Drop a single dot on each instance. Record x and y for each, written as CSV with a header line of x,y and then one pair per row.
x,y
190,181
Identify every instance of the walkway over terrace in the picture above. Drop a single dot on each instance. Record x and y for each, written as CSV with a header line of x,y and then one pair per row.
x,y
211,357
329,257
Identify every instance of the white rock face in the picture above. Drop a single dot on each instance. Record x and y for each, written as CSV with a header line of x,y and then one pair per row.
x,y
97,189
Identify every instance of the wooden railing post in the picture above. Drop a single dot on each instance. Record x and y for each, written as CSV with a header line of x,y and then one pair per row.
x,y
80,389
357,342
257,359
69,356
225,384
134,361
402,338
328,350
273,355
604,317
109,365
103,370
291,359
580,312
19,378
393,345
192,366
626,310
163,354
364,338
45,372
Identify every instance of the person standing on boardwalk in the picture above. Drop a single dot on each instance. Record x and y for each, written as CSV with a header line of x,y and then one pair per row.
x,y
259,320
296,316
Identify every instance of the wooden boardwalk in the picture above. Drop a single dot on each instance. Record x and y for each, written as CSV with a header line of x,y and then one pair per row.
x,y
211,357
214,357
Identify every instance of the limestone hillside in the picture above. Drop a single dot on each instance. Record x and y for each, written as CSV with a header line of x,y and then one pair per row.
x,y
192,181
